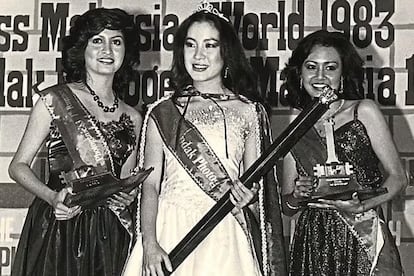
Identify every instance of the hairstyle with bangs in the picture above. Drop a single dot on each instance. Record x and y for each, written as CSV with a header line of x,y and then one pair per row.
x,y
92,23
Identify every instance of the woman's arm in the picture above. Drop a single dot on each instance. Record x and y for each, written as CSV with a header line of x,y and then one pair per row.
x,y
382,142
37,130
240,195
295,188
154,157
122,200
131,162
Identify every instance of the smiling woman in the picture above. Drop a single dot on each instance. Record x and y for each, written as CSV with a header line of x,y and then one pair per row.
x,y
98,58
347,235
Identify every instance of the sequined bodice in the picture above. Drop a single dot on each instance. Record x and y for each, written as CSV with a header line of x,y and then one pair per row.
x,y
352,144
178,187
119,136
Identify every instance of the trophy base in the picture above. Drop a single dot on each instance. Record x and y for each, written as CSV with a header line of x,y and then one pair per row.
x,y
96,195
363,194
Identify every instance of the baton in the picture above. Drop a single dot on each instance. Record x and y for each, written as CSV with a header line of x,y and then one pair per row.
x,y
279,148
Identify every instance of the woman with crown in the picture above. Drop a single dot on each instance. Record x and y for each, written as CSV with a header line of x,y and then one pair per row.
x,y
200,140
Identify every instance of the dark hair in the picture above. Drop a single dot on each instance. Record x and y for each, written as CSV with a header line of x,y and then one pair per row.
x,y
240,77
92,23
352,70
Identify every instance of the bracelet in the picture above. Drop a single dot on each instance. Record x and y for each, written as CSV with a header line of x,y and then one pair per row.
x,y
295,205
290,206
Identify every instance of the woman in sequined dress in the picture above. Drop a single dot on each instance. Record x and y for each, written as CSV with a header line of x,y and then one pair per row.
x,y
214,112
339,237
99,55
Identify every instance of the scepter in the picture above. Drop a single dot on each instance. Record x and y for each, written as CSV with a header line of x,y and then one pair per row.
x,y
279,148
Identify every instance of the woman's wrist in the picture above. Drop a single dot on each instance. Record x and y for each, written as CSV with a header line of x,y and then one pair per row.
x,y
148,240
363,207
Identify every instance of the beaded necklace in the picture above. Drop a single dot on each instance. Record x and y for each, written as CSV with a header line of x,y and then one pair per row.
x,y
96,98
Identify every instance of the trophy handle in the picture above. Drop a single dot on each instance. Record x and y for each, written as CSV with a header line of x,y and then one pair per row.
x,y
328,95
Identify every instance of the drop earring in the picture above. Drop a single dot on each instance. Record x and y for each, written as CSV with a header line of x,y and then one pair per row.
x,y
226,72
301,84
341,86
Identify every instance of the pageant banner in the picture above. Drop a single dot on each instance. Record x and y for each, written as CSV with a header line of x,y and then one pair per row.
x,y
31,34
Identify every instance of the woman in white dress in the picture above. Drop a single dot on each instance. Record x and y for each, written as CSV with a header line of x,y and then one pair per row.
x,y
199,142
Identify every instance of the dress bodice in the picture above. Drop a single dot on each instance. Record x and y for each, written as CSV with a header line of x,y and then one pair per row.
x,y
238,125
119,136
352,144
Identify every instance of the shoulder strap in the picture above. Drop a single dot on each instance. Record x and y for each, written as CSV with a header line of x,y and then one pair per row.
x,y
356,110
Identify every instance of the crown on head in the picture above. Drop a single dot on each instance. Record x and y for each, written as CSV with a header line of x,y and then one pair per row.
x,y
205,6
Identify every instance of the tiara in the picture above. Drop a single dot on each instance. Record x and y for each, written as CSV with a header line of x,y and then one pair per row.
x,y
205,6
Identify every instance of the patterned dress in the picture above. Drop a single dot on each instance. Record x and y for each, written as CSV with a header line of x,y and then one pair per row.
x,y
325,241
92,243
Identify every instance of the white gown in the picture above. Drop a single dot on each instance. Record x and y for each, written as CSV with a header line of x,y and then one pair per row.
x,y
226,250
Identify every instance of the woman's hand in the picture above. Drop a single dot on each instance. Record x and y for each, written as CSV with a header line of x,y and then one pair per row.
x,y
304,186
61,211
122,200
241,196
353,205
153,258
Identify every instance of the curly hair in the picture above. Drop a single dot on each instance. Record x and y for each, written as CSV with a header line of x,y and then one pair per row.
x,y
92,23
352,67
240,76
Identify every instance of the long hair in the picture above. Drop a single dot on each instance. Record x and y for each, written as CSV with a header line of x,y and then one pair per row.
x,y
352,67
92,23
241,79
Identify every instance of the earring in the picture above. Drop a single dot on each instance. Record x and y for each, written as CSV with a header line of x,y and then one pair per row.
x,y
341,86
226,72
301,84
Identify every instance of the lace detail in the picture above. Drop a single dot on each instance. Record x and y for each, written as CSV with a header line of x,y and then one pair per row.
x,y
353,144
178,188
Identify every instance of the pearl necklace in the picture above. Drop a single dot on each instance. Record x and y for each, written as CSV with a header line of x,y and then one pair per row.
x,y
100,103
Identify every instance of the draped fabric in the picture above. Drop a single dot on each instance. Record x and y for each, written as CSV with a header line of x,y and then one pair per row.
x,y
329,242
95,242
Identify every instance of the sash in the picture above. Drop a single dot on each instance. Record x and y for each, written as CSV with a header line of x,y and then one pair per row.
x,y
367,227
273,224
191,150
80,133
86,145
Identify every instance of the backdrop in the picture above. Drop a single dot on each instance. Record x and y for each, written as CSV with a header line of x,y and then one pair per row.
x,y
382,31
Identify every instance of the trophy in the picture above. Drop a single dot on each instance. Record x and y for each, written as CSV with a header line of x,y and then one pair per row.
x,y
336,180
91,187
